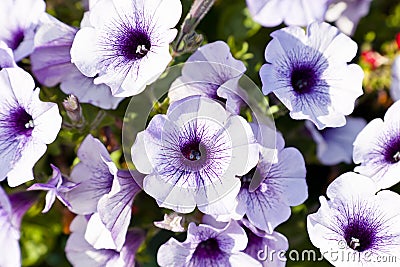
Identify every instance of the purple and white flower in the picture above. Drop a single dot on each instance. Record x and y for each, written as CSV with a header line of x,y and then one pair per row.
x,y
27,125
192,155
270,13
335,145
282,185
347,13
94,175
12,209
207,246
310,77
395,84
104,190
51,64
377,149
127,43
261,246
213,72
357,223
6,56
82,254
19,19
55,187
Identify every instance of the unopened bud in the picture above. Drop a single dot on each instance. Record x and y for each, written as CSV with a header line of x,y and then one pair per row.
x,y
73,108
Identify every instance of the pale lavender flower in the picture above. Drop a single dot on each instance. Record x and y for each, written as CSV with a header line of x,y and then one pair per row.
x,y
270,13
207,246
12,209
82,254
51,64
6,56
282,185
213,72
27,125
335,145
102,189
193,154
269,249
19,19
395,84
126,43
377,149
347,13
358,224
310,75
55,187
94,175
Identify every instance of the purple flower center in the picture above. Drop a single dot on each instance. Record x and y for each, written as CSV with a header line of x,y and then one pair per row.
x,y
303,79
207,249
17,39
190,143
391,152
246,179
20,122
359,235
133,44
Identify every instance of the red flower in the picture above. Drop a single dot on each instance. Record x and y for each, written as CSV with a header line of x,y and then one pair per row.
x,y
373,58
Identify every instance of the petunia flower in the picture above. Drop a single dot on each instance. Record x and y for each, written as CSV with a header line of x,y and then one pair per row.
x,y
6,56
310,75
395,84
192,155
104,190
377,149
207,246
335,145
55,187
19,19
27,125
81,254
360,226
271,13
347,13
51,64
261,246
12,209
213,72
282,185
126,43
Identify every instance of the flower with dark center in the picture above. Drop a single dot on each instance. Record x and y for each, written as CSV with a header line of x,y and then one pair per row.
x,y
19,21
127,42
212,72
193,155
307,75
27,125
208,246
356,222
377,149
